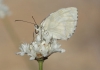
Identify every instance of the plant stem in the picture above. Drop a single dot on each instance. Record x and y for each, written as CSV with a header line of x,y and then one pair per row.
x,y
40,64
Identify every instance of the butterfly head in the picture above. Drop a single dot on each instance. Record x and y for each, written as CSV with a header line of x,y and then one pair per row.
x,y
36,28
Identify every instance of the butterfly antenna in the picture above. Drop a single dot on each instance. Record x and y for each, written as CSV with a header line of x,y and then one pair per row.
x,y
24,21
34,20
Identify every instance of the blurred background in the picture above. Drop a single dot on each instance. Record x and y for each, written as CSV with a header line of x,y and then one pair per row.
x,y
82,49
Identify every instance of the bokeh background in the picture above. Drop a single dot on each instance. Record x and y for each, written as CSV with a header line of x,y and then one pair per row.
x,y
82,49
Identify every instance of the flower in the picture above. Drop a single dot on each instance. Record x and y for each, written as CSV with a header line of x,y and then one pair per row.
x,y
4,10
37,51
41,48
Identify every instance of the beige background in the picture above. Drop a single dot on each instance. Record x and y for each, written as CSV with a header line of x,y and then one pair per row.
x,y
82,49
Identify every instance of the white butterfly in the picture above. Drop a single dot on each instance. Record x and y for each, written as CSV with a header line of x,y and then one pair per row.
x,y
60,24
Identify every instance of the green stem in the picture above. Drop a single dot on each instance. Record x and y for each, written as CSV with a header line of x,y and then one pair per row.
x,y
40,64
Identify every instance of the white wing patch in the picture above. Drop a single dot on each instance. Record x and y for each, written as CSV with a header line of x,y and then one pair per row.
x,y
62,23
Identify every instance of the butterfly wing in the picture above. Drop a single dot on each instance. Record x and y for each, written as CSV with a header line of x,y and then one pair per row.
x,y
62,23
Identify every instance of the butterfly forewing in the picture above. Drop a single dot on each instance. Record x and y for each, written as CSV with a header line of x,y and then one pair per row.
x,y
62,23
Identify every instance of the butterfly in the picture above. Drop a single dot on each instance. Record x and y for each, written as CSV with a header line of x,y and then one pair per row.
x,y
60,24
